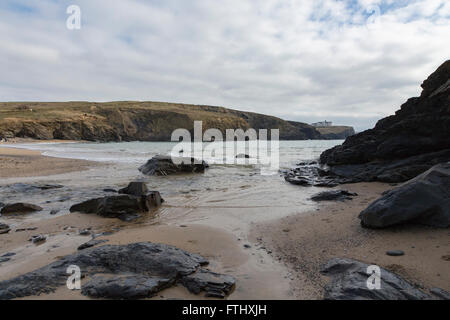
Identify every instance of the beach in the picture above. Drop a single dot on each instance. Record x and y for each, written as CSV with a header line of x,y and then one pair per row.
x,y
275,252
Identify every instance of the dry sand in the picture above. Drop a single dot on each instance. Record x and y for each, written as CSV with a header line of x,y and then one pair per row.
x,y
306,241
29,163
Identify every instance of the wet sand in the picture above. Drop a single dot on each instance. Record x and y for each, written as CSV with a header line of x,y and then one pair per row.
x,y
29,163
306,241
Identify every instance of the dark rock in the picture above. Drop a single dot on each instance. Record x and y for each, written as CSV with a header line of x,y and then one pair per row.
x,y
9,254
214,284
20,208
110,190
349,282
166,165
424,199
242,156
334,195
4,259
91,244
4,228
129,265
312,174
401,146
53,212
115,206
135,188
2,205
38,239
395,253
125,286
440,293
84,232
127,217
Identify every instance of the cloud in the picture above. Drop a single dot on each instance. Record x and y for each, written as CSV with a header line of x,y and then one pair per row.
x,y
352,62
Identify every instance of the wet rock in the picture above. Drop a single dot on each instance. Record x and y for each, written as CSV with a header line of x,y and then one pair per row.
x,y
395,253
4,259
424,200
110,190
214,284
440,293
334,195
38,239
116,206
312,174
135,188
84,232
53,212
349,282
9,254
20,208
166,165
4,228
136,265
242,156
91,243
125,286
26,229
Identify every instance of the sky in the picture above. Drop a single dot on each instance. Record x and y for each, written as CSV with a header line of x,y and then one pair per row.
x,y
350,62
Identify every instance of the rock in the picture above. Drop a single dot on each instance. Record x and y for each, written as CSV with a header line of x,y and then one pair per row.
x,y
53,212
334,195
115,206
2,205
214,284
242,156
20,208
395,253
91,244
424,200
311,174
4,259
9,254
440,293
349,282
401,146
167,165
84,232
110,190
135,188
38,239
133,269
4,228
127,217
125,286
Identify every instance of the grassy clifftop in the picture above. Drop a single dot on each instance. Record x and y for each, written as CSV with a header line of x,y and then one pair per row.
x,y
131,121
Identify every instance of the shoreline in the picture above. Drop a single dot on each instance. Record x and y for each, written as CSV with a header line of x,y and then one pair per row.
x,y
283,261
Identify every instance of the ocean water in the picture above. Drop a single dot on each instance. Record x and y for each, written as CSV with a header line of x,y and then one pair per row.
x,y
234,194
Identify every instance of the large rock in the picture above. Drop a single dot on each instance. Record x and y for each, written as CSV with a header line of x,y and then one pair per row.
x,y
166,165
424,199
119,206
403,145
118,271
20,208
349,282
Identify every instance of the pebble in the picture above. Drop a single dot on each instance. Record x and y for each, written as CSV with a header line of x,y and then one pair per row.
x,y
395,253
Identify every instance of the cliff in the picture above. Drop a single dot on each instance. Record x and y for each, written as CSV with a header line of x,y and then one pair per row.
x,y
403,145
336,132
131,121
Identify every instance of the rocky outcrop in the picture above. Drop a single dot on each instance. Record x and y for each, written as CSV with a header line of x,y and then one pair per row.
x,y
124,207
130,271
350,282
167,165
4,228
20,208
133,121
424,199
334,195
403,145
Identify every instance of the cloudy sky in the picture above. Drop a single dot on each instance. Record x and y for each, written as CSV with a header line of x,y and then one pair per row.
x,y
352,62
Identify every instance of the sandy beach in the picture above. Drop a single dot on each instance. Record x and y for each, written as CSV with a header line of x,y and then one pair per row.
x,y
30,163
306,241
281,258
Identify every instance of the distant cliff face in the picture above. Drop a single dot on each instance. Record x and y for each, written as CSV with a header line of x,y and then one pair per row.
x,y
132,121
336,132
412,140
